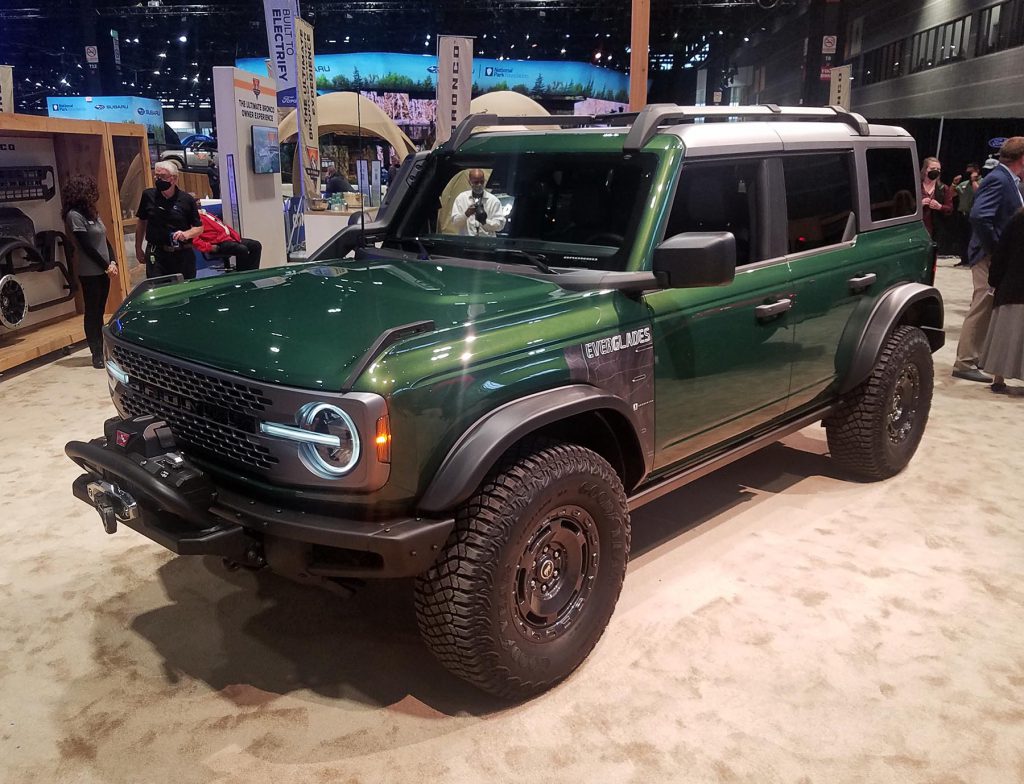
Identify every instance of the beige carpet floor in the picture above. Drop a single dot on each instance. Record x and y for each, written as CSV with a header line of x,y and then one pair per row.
x,y
778,624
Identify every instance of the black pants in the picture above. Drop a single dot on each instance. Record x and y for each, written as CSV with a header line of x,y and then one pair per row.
x,y
94,295
161,262
247,253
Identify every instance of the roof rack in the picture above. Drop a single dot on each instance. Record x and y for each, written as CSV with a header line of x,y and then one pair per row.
x,y
465,128
645,123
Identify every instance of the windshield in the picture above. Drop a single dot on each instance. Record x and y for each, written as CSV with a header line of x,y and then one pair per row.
x,y
563,209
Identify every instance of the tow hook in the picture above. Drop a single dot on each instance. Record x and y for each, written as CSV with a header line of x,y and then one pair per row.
x,y
113,504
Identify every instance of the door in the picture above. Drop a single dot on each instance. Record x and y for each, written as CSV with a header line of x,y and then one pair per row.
x,y
829,276
722,354
839,274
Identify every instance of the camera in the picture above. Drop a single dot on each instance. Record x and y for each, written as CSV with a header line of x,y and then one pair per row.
x,y
481,213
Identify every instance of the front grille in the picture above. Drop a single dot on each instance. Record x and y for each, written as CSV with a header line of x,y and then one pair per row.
x,y
210,416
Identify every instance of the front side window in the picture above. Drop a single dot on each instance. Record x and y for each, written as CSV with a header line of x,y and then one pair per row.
x,y
718,197
569,209
819,199
892,182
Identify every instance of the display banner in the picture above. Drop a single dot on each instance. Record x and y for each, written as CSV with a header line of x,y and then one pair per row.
x,y
309,128
454,83
111,108
6,89
281,16
417,73
839,88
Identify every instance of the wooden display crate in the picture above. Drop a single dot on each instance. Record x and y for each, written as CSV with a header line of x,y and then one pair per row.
x,y
81,147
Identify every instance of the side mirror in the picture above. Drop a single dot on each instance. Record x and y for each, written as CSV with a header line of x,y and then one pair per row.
x,y
696,258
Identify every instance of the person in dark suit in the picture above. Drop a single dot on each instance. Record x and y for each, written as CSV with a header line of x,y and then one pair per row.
x,y
1003,352
995,203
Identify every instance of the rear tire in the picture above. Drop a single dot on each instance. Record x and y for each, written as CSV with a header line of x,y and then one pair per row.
x,y
531,573
876,430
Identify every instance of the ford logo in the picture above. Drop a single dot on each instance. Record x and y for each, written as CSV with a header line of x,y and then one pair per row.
x,y
997,142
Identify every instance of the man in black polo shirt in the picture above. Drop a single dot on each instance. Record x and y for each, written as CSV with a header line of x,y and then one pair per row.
x,y
169,221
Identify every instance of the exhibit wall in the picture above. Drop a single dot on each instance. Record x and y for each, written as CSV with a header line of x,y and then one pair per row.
x,y
250,188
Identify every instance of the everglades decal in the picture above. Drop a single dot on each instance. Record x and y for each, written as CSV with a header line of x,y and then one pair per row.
x,y
622,365
597,348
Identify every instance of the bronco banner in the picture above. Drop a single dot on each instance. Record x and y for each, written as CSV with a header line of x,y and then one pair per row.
x,y
309,127
6,89
454,83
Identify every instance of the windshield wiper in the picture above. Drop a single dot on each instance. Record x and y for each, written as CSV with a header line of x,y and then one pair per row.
x,y
536,259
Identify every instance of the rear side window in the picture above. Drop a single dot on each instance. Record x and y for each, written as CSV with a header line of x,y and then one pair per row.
x,y
892,182
819,199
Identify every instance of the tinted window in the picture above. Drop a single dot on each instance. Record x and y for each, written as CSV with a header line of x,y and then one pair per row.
x,y
892,183
819,199
718,197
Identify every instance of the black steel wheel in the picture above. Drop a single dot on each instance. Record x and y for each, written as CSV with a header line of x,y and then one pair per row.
x,y
876,430
530,576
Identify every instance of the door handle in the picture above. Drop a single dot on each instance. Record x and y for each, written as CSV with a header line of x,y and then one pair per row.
x,y
862,282
773,309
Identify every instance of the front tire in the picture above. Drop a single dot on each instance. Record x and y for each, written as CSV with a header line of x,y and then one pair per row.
x,y
531,573
876,430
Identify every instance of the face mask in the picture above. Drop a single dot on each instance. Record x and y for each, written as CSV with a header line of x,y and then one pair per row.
x,y
933,174
478,191
162,185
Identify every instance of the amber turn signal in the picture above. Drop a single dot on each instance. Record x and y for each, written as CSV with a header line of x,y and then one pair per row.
x,y
383,440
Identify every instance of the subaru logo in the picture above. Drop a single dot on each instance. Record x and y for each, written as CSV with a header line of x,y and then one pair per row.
x,y
431,69
99,106
141,112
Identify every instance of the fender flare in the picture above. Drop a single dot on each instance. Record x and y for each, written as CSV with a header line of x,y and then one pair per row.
x,y
487,439
889,311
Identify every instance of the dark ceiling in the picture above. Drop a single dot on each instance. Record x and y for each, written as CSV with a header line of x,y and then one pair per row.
x,y
168,46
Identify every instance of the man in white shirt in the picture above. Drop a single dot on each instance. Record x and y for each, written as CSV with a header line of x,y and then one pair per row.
x,y
477,212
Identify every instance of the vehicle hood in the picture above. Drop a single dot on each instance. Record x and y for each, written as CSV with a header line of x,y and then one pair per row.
x,y
308,325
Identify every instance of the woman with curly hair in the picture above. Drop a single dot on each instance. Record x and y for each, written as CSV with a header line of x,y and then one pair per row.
x,y
96,264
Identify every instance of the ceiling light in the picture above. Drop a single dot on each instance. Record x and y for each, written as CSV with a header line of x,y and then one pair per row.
x,y
675,35
563,50
162,54
157,72
183,38
331,41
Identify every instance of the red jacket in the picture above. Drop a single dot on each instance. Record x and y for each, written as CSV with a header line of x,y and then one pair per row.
x,y
214,233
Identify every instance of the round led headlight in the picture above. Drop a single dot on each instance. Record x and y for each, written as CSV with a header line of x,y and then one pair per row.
x,y
336,454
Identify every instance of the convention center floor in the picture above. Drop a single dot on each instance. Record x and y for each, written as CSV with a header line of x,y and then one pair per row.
x,y
779,623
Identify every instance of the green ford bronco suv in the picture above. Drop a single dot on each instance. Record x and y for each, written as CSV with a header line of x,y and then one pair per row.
x,y
476,390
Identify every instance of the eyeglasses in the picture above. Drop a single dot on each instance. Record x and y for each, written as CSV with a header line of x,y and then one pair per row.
x,y
162,176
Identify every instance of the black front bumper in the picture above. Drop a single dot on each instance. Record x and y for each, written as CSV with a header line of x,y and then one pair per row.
x,y
239,528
